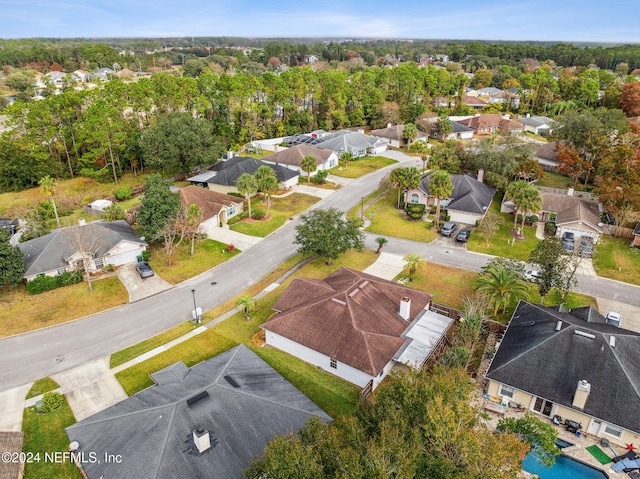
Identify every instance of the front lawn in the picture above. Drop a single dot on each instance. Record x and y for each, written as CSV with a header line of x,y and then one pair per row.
x,y
362,166
554,180
387,220
208,254
45,433
280,211
22,312
613,258
42,386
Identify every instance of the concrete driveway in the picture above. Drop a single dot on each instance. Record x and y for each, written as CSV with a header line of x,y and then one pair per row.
x,y
12,407
387,266
629,313
227,236
137,287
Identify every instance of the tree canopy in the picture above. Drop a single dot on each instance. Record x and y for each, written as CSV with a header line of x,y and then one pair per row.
x,y
11,261
159,203
326,233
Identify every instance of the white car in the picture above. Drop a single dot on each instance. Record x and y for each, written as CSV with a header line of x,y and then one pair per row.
x,y
614,318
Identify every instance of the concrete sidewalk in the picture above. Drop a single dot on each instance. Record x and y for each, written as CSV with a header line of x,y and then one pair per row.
x,y
227,236
12,407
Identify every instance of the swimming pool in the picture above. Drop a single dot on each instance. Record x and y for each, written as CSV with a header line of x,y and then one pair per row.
x,y
564,468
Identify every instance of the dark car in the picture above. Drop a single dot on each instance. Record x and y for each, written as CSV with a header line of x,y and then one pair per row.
x,y
144,270
586,247
463,236
449,228
568,242
608,218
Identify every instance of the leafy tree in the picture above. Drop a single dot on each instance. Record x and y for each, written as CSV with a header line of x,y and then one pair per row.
x,y
247,305
11,261
381,242
247,186
158,205
410,133
440,186
489,226
409,178
22,166
193,218
552,264
48,187
308,165
34,226
326,233
180,142
113,212
413,261
540,435
501,286
630,99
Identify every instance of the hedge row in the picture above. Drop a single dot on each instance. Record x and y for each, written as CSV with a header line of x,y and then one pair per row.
x,y
47,283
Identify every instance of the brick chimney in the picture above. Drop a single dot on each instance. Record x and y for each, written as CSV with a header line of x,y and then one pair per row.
x,y
481,175
405,308
582,394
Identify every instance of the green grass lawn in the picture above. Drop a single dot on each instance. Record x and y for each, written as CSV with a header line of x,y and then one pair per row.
x,y
614,259
332,394
554,180
22,312
280,211
362,166
208,254
42,386
45,433
387,220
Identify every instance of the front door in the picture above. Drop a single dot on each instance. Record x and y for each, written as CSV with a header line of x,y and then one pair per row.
x,y
543,407
594,427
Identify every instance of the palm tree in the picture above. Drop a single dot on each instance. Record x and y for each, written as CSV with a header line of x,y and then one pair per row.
x,y
397,180
381,242
247,186
421,147
531,202
410,179
308,165
501,285
413,261
445,126
247,305
48,187
261,176
269,186
410,133
346,157
440,186
516,193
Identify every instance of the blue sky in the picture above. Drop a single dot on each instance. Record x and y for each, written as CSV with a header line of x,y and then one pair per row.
x,y
561,20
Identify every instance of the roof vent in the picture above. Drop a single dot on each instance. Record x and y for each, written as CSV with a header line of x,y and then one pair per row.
x,y
201,439
364,284
354,292
231,381
194,399
339,301
559,325
584,335
612,341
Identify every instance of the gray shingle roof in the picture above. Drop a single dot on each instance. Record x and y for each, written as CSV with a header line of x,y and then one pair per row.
x,y
468,194
535,358
52,251
348,141
248,404
535,121
228,172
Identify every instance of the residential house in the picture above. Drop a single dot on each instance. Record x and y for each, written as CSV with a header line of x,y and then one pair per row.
x,y
292,158
474,102
126,73
467,204
356,143
223,176
11,225
572,214
489,92
102,74
460,132
210,420
217,208
547,156
491,123
80,76
55,78
573,365
393,135
108,243
538,125
355,325
11,443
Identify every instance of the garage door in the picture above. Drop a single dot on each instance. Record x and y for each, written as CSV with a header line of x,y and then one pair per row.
x,y
578,233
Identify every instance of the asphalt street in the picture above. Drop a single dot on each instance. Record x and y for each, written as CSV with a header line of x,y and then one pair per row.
x,y
27,357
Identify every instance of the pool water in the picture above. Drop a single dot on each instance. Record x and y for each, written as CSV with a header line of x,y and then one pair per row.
x,y
564,468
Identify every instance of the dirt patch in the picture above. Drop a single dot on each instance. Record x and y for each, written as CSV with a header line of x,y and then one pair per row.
x,y
258,339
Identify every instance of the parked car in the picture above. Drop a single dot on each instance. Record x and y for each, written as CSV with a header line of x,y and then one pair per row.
x,y
463,236
614,318
144,270
568,241
449,228
531,275
586,247
608,218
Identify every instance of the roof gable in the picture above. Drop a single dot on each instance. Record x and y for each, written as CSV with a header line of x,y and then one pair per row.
x,y
227,172
469,194
571,209
295,154
210,202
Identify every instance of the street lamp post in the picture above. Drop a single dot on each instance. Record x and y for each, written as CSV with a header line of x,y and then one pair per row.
x,y
197,312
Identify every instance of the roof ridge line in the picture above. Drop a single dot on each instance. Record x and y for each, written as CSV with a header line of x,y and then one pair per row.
x,y
622,368
164,442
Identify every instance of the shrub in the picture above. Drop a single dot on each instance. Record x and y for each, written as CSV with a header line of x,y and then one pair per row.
x,y
415,211
52,401
146,255
532,219
108,268
123,193
257,215
231,248
550,228
456,357
321,177
47,283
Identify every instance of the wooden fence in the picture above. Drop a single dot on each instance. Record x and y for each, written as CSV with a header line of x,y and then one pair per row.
x,y
618,231
560,191
453,313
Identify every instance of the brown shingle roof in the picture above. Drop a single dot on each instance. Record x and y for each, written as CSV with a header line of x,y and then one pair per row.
x,y
491,120
350,316
570,209
294,155
11,442
210,202
394,133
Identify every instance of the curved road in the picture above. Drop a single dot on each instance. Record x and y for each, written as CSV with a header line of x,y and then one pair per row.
x,y
27,357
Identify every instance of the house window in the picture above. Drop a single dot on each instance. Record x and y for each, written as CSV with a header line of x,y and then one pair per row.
x,y
415,199
62,270
231,210
613,431
99,262
506,391
333,363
